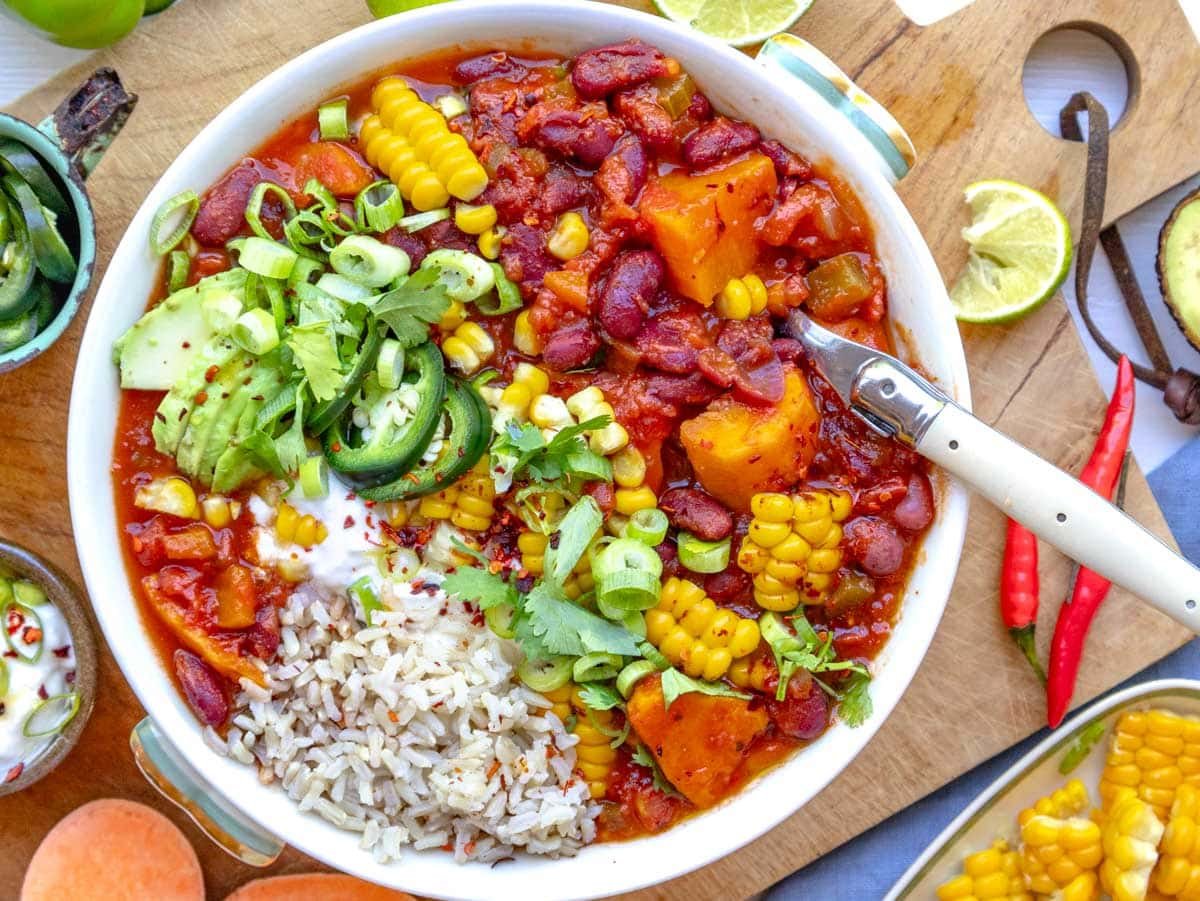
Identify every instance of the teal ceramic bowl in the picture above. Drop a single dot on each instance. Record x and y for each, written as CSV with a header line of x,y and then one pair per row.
x,y
69,143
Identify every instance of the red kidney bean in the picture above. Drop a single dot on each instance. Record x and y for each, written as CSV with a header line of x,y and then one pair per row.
x,y
586,135
716,140
731,584
571,346
201,687
622,175
223,210
804,711
915,511
604,70
876,546
639,110
561,190
687,391
672,341
632,282
699,109
787,164
490,65
670,559
410,244
524,256
694,511
757,375
789,350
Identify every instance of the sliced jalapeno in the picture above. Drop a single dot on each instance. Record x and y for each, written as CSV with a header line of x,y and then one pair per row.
x,y
50,251
17,159
16,262
19,331
324,414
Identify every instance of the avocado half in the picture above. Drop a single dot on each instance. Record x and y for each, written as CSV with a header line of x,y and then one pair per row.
x,y
1179,265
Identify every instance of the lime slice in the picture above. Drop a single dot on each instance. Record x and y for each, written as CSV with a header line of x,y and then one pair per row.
x,y
381,8
1020,252
737,22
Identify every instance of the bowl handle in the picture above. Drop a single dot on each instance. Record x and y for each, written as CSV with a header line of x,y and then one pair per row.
x,y
85,123
180,784
797,58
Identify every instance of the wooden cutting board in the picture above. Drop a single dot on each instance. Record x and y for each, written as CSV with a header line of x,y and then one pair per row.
x,y
956,87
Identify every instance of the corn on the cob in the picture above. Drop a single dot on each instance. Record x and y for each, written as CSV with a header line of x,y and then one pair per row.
x,y
751,672
691,631
474,507
993,873
1060,848
1177,874
792,546
590,403
1153,752
171,495
569,238
412,142
468,348
594,758
560,700
293,528
742,298
1130,835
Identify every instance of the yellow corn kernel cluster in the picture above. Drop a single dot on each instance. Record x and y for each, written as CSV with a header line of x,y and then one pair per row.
x,y
489,248
1153,752
411,141
594,757
171,495
1060,848
629,474
1130,836
532,546
691,631
560,700
1178,872
455,315
589,404
990,874
468,503
750,673
569,238
468,348
792,546
742,298
474,220
293,528
220,511
514,401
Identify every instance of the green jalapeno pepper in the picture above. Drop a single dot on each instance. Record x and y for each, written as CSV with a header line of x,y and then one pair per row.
x,y
324,414
50,251
18,268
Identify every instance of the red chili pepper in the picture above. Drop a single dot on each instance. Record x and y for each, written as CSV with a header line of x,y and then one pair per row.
x,y
1075,617
1019,591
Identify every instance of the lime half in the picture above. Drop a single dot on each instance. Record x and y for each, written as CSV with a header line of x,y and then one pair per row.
x,y
1020,252
737,22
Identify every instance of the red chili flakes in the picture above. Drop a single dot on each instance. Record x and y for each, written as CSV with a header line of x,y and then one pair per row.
x,y
493,769
337,447
211,373
15,773
392,716
63,652
42,693
201,398
348,522
16,619
469,848
31,635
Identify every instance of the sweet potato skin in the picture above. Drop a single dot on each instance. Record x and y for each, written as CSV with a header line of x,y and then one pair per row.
x,y
110,850
700,741
315,887
737,450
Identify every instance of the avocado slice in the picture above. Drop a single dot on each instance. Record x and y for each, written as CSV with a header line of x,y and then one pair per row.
x,y
159,349
238,461
213,421
171,418
1179,265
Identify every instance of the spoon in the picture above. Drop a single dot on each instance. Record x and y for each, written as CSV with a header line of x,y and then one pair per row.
x,y
898,403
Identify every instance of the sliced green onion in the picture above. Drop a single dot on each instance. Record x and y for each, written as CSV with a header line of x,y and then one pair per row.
x,y
343,288
378,207
254,205
450,105
702,556
314,477
648,526
389,365
627,574
304,272
465,276
589,466
27,652
277,302
51,715
28,594
508,295
254,331
305,229
634,622
362,591
183,207
596,667
651,653
418,221
545,675
368,261
629,677
267,258
336,222
220,310
179,267
331,120
501,619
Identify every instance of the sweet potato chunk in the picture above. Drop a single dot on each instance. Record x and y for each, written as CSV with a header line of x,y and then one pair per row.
x,y
315,887
703,225
738,450
113,848
699,742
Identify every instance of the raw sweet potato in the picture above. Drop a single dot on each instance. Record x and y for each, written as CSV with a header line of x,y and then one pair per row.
x,y
114,850
703,225
699,741
737,450
315,887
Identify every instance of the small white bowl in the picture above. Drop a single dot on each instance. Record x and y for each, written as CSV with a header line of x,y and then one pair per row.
x,y
796,98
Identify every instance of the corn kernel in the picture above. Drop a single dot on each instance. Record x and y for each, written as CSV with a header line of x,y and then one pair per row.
x,y
569,238
771,507
489,245
549,412
474,220
218,511
1131,834
455,315
171,495
758,293
525,339
734,300
628,501
583,402
629,467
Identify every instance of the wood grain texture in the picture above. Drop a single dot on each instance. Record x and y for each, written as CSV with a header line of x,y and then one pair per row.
x,y
956,88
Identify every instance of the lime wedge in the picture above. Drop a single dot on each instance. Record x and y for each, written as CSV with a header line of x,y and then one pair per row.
x,y
381,8
1020,252
737,22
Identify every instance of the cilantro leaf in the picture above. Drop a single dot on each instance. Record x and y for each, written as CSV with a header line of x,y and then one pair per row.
x,y
289,447
802,651
410,309
856,707
643,757
315,351
575,533
560,626
599,696
675,683
480,586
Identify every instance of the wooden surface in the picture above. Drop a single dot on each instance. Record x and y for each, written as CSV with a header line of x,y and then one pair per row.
x,y
956,87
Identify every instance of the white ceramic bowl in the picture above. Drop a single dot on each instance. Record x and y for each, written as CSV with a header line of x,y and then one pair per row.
x,y
784,107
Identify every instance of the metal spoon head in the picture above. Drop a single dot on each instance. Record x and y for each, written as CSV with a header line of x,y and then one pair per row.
x,y
837,359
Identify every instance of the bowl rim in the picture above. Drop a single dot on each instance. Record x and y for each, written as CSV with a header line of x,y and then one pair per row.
x,y
621,858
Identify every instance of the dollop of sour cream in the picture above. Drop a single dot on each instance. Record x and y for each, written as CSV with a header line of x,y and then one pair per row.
x,y
32,682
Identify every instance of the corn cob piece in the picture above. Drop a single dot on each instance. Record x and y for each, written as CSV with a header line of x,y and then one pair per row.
x,y
792,546
532,546
1130,836
1153,752
751,672
560,700
293,528
412,142
474,507
171,495
742,298
1177,874
1060,848
993,873
691,631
